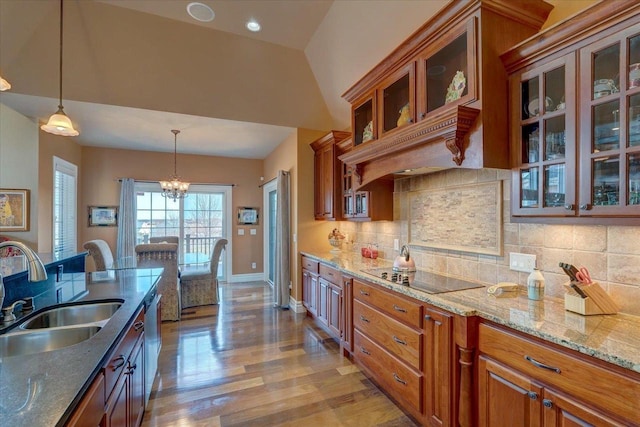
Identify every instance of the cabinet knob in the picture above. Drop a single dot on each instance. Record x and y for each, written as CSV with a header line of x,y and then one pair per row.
x,y
547,403
533,395
569,207
427,317
423,115
585,207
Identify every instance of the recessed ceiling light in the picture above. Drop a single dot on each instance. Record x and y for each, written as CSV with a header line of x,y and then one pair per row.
x,y
200,12
253,25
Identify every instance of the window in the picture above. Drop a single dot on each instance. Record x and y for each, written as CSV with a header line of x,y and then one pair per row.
x,y
198,220
65,176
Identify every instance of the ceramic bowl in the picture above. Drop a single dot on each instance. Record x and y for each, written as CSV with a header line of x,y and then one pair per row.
x,y
533,109
604,85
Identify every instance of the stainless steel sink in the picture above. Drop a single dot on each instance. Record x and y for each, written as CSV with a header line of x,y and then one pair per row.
x,y
73,315
23,343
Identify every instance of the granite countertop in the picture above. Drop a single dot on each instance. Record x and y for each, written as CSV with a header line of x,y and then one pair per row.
x,y
40,389
612,338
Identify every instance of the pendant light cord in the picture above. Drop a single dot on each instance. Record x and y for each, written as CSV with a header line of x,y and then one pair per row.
x,y
60,85
175,151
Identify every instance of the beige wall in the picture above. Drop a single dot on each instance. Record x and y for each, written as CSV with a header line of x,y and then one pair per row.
x,y
19,165
611,253
101,168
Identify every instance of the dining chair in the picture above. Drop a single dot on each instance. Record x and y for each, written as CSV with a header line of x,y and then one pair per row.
x,y
200,286
164,239
101,253
165,255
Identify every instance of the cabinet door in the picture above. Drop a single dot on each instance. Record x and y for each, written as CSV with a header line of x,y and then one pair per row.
x,y
323,296
437,367
334,309
347,309
325,174
117,411
90,411
363,115
396,97
347,191
313,294
610,125
136,384
506,398
543,140
305,288
563,411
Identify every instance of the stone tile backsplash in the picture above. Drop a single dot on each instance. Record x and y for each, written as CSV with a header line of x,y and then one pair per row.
x,y
611,253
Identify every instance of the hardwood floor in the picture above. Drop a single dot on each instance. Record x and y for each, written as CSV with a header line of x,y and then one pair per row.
x,y
245,363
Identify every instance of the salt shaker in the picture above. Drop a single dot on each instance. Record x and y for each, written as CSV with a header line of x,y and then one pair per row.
x,y
535,285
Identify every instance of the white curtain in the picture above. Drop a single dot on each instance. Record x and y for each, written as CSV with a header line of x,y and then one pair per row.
x,y
127,220
282,276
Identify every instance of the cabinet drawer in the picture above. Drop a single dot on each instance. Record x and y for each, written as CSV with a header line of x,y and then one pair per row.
x,y
402,382
309,264
400,308
606,389
397,338
331,274
118,361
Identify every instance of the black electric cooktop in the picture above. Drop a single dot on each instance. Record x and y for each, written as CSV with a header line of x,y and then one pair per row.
x,y
427,282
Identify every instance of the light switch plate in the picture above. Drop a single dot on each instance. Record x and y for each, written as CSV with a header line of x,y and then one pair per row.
x,y
240,231
253,231
522,262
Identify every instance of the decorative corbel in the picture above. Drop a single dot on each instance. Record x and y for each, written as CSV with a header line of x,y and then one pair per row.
x,y
455,144
357,171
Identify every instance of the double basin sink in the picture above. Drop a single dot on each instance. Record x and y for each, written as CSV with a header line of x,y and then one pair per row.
x,y
58,327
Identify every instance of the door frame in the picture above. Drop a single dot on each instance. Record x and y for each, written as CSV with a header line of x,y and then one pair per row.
x,y
266,189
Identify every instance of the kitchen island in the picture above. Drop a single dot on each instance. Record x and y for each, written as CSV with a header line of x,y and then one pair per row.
x,y
42,389
457,357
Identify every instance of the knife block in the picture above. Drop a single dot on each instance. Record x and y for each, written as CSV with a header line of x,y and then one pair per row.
x,y
597,301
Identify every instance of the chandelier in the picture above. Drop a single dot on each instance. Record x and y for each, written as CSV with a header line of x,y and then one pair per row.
x,y
59,123
174,188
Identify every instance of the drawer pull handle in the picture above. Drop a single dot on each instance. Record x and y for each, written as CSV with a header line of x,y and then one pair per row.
x,y
118,363
542,365
399,341
364,350
364,319
138,325
400,309
398,379
533,395
366,294
547,403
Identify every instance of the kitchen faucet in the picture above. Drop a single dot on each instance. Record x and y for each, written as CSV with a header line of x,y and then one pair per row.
x,y
35,268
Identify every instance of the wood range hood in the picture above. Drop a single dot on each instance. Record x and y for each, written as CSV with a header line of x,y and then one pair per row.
x,y
469,130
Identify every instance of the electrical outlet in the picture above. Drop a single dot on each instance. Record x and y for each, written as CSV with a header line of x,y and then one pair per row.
x,y
396,244
522,262
253,265
253,232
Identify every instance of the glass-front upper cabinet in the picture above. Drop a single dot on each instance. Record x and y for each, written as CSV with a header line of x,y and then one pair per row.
x,y
362,124
610,133
397,100
447,73
543,139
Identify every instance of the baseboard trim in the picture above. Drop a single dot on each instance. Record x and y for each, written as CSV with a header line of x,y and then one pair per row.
x,y
296,305
253,277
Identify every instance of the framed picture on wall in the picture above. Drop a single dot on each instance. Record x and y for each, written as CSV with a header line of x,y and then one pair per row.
x,y
103,216
14,209
247,216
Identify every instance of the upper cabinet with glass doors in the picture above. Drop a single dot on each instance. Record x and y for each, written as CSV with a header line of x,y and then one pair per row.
x,y
575,118
421,106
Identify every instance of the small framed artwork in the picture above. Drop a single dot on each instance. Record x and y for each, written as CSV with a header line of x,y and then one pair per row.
x,y
14,210
103,216
247,216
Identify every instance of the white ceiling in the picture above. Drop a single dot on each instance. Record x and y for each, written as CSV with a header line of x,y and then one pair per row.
x,y
342,40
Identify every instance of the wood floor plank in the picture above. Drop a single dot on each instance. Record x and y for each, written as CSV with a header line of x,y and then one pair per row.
x,y
245,363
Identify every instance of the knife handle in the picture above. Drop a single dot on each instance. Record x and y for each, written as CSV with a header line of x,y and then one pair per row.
x,y
579,291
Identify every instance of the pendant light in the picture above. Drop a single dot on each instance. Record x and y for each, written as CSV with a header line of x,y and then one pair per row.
x,y
174,188
4,85
59,123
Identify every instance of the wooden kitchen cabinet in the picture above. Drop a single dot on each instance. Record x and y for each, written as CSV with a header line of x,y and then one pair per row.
x,y
310,285
439,360
587,169
439,99
90,410
375,204
347,310
334,310
327,176
522,382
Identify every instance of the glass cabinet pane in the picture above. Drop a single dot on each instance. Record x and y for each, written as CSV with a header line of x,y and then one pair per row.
x,y
447,74
531,143
634,62
606,72
554,185
530,92
634,179
606,126
554,138
363,123
634,120
396,106
529,187
554,90
606,181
